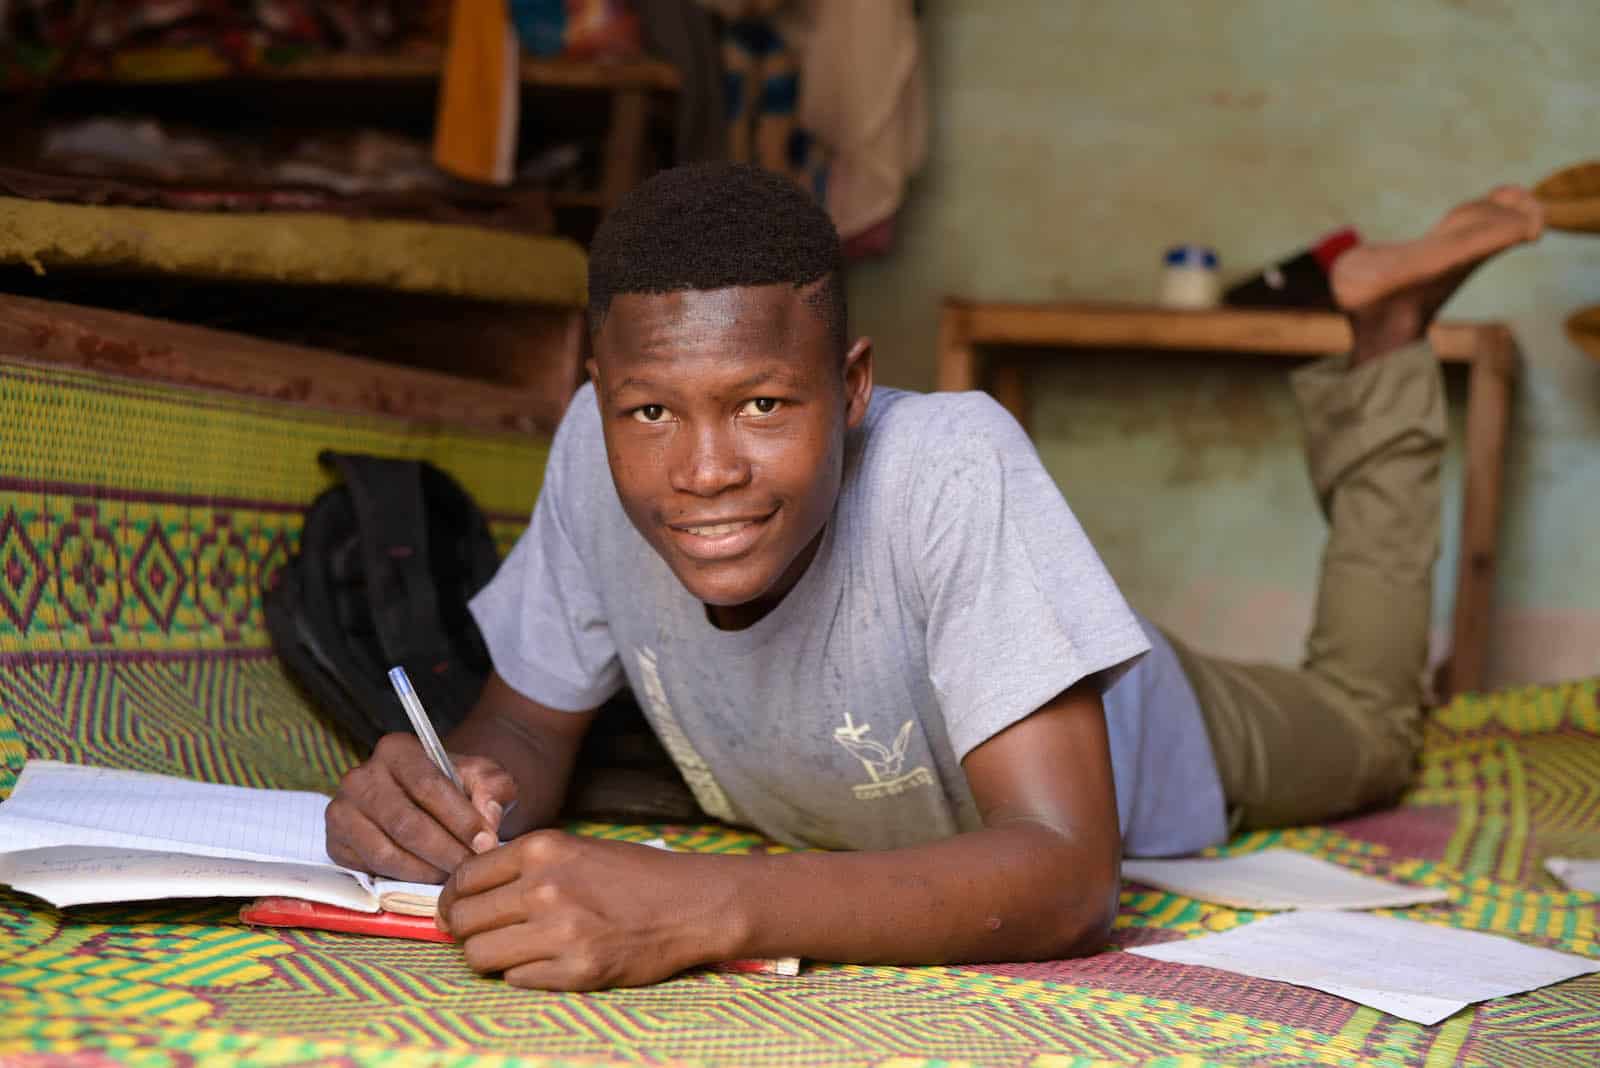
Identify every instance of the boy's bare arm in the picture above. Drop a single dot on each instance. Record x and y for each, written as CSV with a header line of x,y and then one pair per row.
x,y
1039,881
537,744
397,815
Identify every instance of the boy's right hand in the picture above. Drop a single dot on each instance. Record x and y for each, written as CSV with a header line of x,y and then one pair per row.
x,y
398,816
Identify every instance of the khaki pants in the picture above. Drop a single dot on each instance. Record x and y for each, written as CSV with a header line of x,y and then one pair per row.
x,y
1341,732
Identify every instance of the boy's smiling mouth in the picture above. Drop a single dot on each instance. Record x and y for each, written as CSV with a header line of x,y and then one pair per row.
x,y
720,538
718,529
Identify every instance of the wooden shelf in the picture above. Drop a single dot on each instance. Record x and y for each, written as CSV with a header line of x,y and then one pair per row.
x,y
640,74
1263,331
628,93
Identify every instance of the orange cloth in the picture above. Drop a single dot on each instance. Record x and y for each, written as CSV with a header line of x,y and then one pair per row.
x,y
476,132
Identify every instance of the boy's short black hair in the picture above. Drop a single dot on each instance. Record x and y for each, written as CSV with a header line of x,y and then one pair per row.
x,y
717,226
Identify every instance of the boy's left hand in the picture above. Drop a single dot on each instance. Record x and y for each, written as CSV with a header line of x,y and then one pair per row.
x,y
556,911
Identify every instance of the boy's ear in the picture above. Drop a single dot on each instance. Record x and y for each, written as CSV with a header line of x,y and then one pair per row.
x,y
592,369
857,381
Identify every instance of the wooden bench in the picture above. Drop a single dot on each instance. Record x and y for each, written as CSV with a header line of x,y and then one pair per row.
x,y
978,349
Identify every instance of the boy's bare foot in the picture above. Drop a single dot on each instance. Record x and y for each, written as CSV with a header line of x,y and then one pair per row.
x,y
1390,292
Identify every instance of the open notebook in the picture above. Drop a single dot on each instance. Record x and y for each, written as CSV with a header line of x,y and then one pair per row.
x,y
76,835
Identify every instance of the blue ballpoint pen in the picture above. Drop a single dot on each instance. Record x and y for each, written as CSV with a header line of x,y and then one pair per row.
x,y
419,723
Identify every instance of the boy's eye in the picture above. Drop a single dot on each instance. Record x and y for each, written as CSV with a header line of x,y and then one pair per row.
x,y
761,406
649,413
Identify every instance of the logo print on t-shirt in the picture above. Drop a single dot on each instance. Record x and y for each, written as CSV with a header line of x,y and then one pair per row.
x,y
683,753
884,764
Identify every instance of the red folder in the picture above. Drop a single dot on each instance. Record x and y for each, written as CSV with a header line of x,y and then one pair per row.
x,y
294,912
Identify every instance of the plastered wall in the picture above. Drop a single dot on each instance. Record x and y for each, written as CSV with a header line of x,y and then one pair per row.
x,y
1074,141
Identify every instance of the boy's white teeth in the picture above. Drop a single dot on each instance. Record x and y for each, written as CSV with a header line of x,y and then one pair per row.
x,y
719,529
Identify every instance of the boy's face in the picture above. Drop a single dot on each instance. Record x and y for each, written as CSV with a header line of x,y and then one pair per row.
x,y
725,414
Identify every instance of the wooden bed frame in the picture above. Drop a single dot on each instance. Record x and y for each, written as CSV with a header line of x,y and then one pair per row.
x,y
979,343
523,366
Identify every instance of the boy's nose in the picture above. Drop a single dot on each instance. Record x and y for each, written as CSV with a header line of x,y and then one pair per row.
x,y
709,463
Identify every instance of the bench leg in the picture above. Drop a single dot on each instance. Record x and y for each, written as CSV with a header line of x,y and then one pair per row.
x,y
1494,368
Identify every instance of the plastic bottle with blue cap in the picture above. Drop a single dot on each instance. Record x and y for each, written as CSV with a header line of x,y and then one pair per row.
x,y
1190,278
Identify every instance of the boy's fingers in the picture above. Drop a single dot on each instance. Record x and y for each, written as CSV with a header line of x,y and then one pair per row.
x,y
487,871
486,781
509,947
360,843
406,818
340,851
492,813
493,792
427,787
556,973
471,914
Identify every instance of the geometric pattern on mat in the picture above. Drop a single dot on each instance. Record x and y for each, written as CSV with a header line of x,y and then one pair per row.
x,y
164,983
84,572
138,518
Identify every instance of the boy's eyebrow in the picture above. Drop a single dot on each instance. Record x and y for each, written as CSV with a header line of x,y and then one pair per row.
x,y
771,374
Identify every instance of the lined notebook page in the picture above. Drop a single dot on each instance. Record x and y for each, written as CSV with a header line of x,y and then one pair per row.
x,y
55,804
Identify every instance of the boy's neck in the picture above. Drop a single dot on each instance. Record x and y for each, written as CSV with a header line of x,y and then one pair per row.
x,y
743,616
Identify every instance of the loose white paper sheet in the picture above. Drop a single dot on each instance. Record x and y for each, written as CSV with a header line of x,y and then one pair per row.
x,y
1413,970
1577,874
1276,879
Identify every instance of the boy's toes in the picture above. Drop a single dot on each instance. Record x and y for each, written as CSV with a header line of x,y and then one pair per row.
x,y
1509,196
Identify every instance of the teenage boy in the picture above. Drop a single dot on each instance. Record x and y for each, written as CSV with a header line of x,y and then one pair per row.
x,y
867,621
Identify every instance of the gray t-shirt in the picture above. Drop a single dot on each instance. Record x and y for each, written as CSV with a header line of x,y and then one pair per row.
x,y
953,594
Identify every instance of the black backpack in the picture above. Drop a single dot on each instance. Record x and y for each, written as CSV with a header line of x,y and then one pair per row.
x,y
387,563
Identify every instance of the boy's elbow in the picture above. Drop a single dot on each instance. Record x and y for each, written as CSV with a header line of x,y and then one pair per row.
x,y
1083,924
1086,934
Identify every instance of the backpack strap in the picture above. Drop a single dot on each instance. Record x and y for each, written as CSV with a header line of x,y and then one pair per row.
x,y
391,515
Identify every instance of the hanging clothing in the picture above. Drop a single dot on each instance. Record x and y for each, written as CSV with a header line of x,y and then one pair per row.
x,y
830,92
862,96
762,90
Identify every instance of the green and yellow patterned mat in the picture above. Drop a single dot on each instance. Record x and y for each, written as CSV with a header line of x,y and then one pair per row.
x,y
1507,779
137,528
